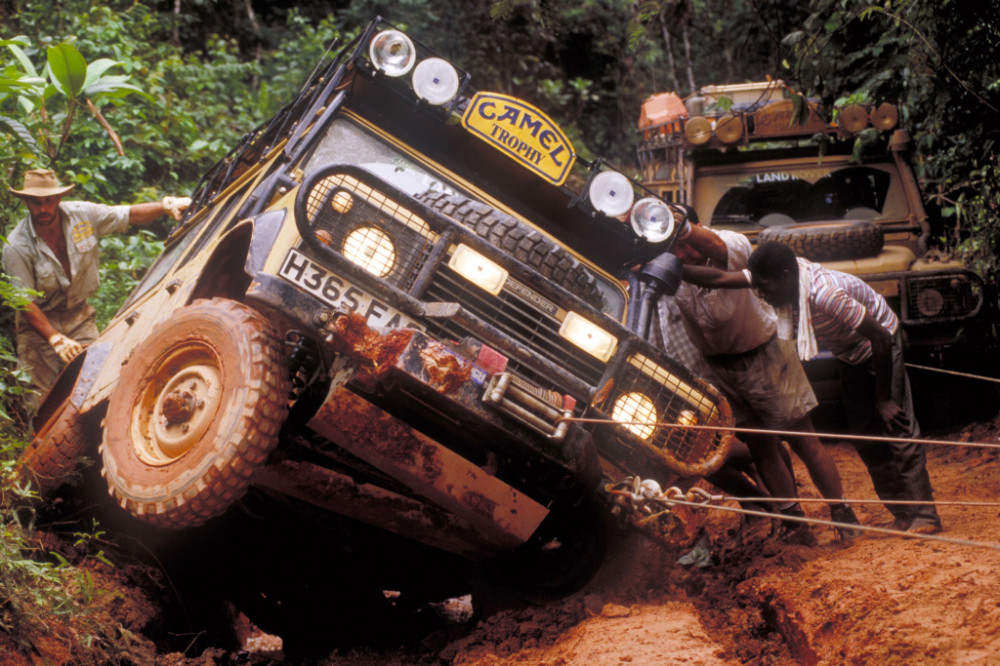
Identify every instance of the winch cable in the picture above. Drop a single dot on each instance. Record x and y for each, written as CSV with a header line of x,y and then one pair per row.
x,y
956,373
824,500
706,498
765,431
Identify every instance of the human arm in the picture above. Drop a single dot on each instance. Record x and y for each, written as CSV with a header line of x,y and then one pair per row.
x,y
888,410
147,212
67,348
714,278
707,243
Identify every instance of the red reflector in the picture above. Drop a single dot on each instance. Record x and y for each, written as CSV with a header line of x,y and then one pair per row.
x,y
491,361
569,403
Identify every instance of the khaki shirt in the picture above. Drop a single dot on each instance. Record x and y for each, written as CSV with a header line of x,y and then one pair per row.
x,y
33,264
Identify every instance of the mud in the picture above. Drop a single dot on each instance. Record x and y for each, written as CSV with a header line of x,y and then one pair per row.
x,y
750,599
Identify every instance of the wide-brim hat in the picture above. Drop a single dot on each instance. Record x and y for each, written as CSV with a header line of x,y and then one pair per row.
x,y
40,183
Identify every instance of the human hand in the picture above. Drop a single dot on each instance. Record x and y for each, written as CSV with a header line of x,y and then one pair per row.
x,y
894,418
67,348
175,206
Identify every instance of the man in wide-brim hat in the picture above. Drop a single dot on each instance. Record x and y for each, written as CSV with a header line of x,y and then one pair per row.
x,y
54,251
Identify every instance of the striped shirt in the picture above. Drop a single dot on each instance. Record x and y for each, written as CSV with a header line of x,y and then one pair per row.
x,y
838,303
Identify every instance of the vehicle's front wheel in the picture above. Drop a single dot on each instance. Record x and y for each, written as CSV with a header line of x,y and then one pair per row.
x,y
196,411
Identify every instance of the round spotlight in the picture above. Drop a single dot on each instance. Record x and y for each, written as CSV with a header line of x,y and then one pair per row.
x,y
698,130
930,303
392,53
636,412
342,202
611,193
652,219
853,118
729,129
885,116
371,249
436,81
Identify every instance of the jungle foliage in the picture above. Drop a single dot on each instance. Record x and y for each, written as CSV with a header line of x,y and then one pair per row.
x,y
168,87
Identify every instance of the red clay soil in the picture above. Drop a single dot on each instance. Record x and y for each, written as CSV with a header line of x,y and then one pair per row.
x,y
875,600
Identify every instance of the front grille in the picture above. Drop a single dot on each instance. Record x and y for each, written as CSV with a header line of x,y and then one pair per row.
x,y
369,228
526,324
646,393
941,297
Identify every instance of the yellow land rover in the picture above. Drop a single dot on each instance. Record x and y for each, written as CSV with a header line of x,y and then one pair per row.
x,y
388,307
758,159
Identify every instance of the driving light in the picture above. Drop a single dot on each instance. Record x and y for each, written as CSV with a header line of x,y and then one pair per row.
x,y
435,81
342,202
636,412
652,219
698,130
477,269
729,129
392,53
611,193
885,116
930,302
853,118
371,249
589,337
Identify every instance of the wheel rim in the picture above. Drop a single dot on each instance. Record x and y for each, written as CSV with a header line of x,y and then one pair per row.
x,y
177,406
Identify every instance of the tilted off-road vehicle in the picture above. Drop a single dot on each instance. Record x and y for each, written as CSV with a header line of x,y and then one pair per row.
x,y
758,159
387,304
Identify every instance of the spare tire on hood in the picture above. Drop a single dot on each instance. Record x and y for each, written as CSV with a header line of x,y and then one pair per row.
x,y
829,241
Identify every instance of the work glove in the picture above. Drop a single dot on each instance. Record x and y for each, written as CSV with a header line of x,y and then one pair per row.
x,y
67,348
175,206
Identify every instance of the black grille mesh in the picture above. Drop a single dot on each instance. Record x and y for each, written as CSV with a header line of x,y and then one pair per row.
x,y
646,391
941,297
526,324
369,228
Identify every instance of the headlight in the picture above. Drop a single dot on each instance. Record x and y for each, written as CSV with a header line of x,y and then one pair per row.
x,y
435,81
930,302
477,269
589,337
611,193
636,412
652,219
392,53
372,249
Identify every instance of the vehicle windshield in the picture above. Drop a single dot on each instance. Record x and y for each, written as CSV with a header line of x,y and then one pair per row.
x,y
772,195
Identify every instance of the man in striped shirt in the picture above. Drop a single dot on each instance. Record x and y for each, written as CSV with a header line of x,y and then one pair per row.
x,y
857,326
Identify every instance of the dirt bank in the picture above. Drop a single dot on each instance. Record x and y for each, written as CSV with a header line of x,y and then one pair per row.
x,y
878,599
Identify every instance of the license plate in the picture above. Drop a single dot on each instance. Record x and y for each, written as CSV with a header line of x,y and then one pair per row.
x,y
338,293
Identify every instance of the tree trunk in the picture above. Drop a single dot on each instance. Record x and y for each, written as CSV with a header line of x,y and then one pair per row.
x,y
687,54
671,63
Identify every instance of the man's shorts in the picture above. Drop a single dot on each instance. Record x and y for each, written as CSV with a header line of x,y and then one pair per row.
x,y
765,385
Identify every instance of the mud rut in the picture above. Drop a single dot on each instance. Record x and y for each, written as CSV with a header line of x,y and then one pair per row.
x,y
877,599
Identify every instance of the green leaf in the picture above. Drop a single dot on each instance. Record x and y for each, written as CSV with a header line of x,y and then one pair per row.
x,y
114,89
68,68
26,65
96,69
19,131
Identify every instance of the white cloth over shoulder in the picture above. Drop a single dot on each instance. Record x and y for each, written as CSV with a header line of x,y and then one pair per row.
x,y
805,337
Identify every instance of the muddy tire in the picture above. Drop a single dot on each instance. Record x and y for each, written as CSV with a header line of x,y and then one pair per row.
x,y
196,411
54,451
520,241
829,241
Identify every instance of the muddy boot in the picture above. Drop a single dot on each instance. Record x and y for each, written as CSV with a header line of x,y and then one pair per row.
x,y
793,531
843,513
